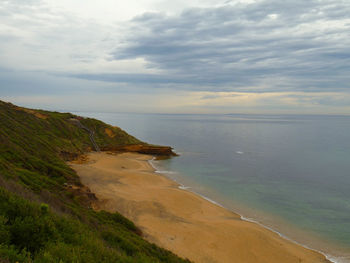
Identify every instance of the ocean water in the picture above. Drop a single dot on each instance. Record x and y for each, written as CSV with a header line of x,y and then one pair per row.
x,y
290,173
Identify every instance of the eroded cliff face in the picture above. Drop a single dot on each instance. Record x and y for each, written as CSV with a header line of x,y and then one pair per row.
x,y
143,148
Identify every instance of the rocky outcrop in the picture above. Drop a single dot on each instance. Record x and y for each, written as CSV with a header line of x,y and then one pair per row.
x,y
68,156
83,194
142,148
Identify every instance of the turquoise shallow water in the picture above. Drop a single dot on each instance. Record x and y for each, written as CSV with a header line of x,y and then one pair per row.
x,y
291,173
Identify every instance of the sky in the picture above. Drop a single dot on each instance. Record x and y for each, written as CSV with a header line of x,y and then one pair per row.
x,y
156,56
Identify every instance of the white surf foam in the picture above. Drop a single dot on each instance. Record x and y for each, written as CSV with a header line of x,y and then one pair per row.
x,y
164,172
331,258
182,187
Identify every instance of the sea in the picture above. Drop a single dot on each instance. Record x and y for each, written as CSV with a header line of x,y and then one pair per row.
x,y
289,173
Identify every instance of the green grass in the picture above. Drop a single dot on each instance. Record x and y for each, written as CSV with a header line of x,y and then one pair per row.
x,y
30,232
32,145
42,220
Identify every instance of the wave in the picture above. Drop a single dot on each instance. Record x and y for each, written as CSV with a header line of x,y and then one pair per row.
x,y
165,172
209,200
156,170
152,164
331,258
182,187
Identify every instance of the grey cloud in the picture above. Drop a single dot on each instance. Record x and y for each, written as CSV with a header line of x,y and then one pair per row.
x,y
241,46
238,47
216,96
330,100
157,80
19,83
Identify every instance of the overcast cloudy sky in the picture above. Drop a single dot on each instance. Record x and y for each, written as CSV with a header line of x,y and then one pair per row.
x,y
200,56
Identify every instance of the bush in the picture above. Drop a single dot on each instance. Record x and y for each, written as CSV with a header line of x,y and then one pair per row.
x,y
11,254
31,232
44,209
4,231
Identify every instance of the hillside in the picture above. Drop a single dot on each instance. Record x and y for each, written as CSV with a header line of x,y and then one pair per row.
x,y
45,212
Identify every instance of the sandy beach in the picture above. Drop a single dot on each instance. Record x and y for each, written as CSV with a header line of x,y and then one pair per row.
x,y
179,220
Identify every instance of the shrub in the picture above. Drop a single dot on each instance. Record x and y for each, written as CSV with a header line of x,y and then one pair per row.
x,y
44,209
4,232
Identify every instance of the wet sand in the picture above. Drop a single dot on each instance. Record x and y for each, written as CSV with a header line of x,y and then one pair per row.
x,y
179,220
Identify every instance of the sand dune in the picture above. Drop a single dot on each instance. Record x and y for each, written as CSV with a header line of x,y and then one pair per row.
x,y
179,220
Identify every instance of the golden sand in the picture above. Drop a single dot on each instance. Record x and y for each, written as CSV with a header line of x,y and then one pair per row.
x,y
179,220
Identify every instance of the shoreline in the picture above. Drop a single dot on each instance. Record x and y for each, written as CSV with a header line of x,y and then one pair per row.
x,y
331,258
171,215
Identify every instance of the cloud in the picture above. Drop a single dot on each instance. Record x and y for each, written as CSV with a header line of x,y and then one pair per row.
x,y
19,83
222,56
36,36
303,43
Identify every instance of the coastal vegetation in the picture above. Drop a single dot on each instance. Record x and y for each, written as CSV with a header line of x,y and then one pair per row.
x,y
46,213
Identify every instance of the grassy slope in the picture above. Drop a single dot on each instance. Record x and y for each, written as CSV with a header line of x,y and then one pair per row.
x,y
34,146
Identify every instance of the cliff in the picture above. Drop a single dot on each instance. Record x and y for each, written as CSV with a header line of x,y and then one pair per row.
x,y
45,211
142,148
